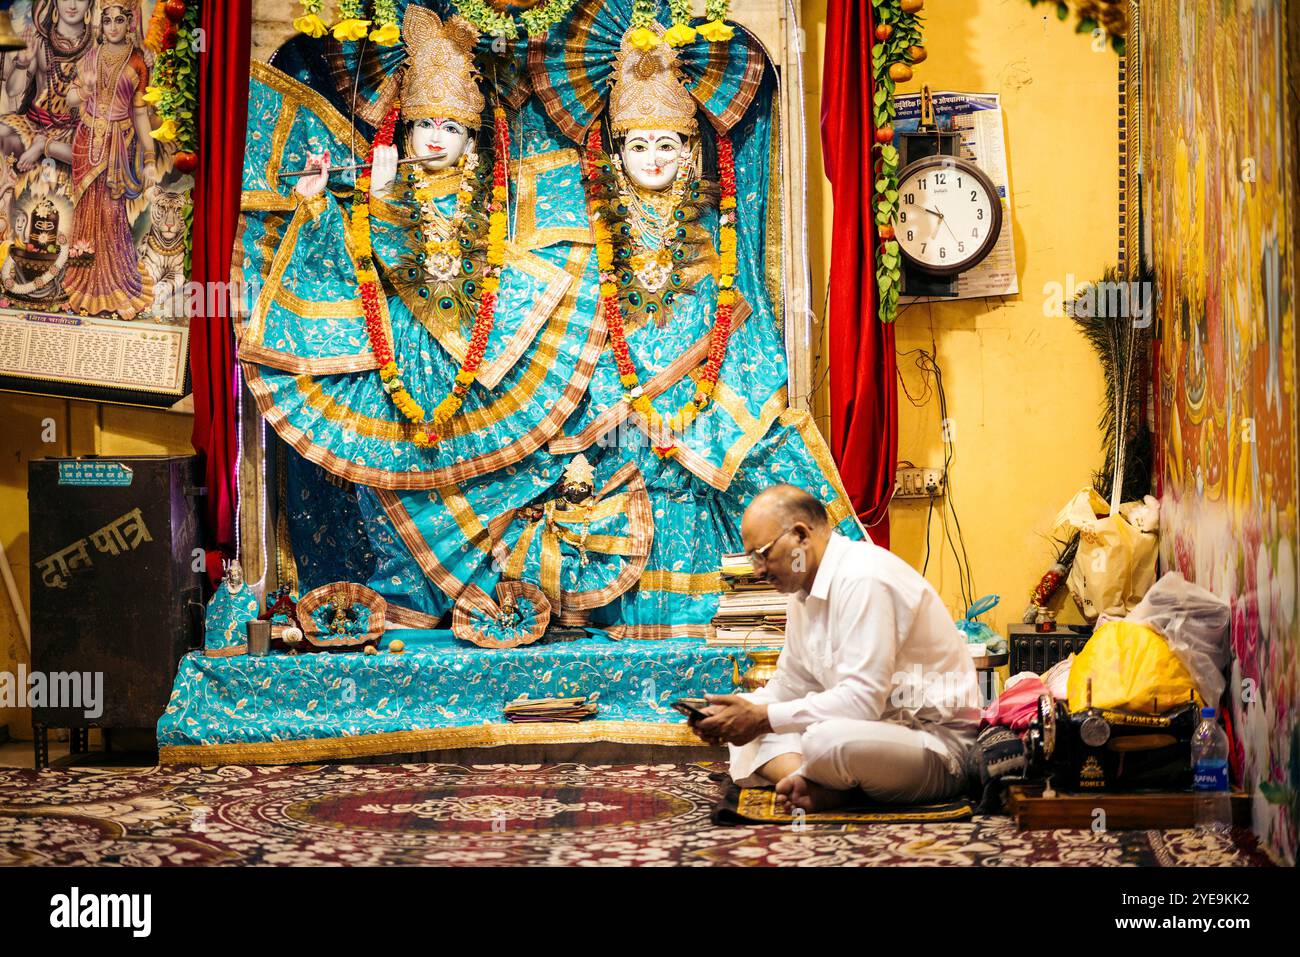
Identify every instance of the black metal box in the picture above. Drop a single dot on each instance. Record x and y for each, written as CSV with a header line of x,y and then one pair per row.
x,y
114,581
1037,651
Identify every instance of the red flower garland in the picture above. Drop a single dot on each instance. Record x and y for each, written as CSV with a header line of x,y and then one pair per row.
x,y
484,319
611,308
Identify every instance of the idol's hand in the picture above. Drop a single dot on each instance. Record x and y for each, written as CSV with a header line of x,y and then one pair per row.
x,y
383,170
315,183
151,177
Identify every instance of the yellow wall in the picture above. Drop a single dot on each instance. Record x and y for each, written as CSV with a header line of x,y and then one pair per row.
x,y
80,428
1023,389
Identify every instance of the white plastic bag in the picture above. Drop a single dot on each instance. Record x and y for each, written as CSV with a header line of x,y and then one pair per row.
x,y
1195,623
1116,560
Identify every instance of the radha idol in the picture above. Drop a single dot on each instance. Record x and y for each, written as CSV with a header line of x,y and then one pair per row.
x,y
678,145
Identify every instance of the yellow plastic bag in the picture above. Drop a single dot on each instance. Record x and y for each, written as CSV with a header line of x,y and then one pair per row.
x,y
1132,669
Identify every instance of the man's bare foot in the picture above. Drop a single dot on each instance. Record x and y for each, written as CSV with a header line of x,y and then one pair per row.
x,y
798,791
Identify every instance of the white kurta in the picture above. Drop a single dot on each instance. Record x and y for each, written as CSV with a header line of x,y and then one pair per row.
x,y
873,670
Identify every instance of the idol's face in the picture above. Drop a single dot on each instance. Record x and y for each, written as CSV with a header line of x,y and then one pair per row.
x,y
73,11
440,142
114,24
651,158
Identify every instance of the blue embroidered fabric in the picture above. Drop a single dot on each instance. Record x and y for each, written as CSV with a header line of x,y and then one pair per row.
x,y
439,682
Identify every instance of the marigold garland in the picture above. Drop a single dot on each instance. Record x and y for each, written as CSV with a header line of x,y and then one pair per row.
x,y
611,308
427,435
643,35
681,32
352,24
717,30
387,33
311,22
173,81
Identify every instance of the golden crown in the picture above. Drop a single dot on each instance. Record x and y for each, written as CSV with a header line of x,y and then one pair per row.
x,y
648,94
440,80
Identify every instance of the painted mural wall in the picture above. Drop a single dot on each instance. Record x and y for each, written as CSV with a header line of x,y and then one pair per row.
x,y
1220,174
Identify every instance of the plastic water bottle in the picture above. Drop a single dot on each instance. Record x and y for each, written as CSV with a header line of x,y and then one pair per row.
x,y
1210,775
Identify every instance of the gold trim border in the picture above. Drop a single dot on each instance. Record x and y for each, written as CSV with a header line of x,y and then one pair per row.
x,y
432,739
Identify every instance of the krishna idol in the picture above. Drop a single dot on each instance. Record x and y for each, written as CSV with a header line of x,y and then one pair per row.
x,y
532,343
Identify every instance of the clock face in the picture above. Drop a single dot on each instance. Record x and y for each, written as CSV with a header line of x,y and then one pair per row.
x,y
949,214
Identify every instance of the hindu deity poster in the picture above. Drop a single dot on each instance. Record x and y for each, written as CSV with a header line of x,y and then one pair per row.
x,y
94,197
1222,208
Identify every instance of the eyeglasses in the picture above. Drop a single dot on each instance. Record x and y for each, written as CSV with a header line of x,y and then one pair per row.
x,y
758,556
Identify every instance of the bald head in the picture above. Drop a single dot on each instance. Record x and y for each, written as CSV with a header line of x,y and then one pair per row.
x,y
789,504
785,530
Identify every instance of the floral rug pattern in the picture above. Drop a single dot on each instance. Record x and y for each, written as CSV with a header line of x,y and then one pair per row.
x,y
509,815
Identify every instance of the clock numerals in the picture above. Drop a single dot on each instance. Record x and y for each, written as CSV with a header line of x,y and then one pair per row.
x,y
948,215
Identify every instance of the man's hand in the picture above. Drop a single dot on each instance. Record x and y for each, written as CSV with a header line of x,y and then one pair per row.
x,y
732,720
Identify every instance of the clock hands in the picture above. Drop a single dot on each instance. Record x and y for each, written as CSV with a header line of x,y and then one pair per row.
x,y
943,219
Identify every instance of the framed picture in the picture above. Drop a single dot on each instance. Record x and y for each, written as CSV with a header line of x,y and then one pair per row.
x,y
94,214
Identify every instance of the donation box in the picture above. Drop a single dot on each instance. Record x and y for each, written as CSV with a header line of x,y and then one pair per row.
x,y
113,584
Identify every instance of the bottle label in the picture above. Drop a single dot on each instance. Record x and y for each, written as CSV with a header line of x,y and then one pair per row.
x,y
1211,776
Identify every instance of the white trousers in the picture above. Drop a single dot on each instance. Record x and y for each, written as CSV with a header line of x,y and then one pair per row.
x,y
891,762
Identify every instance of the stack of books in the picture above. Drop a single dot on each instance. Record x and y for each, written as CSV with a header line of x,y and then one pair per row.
x,y
750,611
570,710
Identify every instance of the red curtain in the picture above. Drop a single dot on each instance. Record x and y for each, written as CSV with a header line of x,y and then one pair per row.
x,y
223,109
864,397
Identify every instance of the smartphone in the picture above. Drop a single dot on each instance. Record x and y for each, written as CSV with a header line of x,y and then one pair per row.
x,y
693,708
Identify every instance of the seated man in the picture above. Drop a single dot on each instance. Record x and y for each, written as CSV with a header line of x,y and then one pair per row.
x,y
875,689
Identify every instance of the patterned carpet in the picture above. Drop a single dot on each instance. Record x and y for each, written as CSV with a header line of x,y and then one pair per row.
x,y
442,814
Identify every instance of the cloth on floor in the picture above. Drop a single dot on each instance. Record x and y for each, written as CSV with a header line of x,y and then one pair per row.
x,y
759,806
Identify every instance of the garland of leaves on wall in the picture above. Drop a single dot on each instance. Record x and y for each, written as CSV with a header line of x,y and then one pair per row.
x,y
896,50
1105,20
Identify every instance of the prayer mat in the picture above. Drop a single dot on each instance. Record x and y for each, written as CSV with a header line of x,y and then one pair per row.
x,y
760,806
503,815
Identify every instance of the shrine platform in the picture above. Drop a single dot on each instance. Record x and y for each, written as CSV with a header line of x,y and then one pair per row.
x,y
440,694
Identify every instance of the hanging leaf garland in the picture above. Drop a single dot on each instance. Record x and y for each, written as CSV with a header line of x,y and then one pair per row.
x,y
1106,21
173,81
897,47
539,20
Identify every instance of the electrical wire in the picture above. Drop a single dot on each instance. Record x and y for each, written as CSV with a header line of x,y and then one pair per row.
x,y
928,365
929,514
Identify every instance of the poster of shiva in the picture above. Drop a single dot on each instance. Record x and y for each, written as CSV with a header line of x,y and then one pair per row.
x,y
95,190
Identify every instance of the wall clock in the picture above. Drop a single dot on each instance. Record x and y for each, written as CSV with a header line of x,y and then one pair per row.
x,y
949,215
